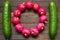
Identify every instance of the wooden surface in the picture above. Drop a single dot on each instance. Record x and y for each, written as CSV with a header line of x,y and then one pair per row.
x,y
30,19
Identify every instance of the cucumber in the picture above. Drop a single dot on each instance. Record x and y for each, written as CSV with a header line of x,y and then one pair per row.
x,y
53,20
6,20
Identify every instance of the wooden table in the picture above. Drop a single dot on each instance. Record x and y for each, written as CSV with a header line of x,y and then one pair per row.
x,y
30,19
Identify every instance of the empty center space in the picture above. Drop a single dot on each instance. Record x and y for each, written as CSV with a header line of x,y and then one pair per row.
x,y
29,18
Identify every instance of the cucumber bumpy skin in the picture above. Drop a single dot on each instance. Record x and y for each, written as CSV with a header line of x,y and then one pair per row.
x,y
53,20
6,20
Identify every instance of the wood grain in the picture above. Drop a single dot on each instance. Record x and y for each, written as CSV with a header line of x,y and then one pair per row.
x,y
30,19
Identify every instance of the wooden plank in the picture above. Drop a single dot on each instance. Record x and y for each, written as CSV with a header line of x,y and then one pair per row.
x,y
15,7
16,3
34,18
48,0
41,36
46,30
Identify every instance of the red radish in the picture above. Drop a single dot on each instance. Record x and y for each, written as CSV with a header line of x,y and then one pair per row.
x,y
19,27
40,26
34,31
36,6
29,4
26,32
15,20
42,11
17,13
21,7
43,18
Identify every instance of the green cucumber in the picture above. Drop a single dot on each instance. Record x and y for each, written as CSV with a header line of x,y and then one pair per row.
x,y
53,20
6,20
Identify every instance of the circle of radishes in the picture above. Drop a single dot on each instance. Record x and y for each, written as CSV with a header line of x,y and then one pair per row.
x,y
16,19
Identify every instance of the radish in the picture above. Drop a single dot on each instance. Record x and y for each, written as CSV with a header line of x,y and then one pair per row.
x,y
19,27
17,13
26,32
34,31
29,4
15,20
36,6
43,18
21,7
42,11
40,26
